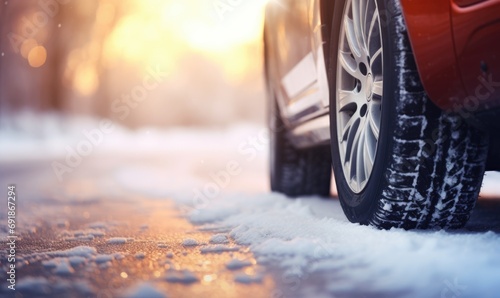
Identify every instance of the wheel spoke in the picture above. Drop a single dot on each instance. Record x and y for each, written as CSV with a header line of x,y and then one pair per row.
x,y
348,129
367,160
351,138
356,153
359,91
377,55
374,20
377,88
349,64
365,19
360,158
356,18
371,147
346,99
352,39
373,126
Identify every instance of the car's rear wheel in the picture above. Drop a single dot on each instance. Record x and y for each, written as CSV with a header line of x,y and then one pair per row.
x,y
296,172
399,161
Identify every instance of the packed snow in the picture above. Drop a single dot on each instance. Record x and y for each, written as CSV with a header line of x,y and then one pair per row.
x,y
310,237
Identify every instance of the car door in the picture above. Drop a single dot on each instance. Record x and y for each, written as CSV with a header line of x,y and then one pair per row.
x,y
295,48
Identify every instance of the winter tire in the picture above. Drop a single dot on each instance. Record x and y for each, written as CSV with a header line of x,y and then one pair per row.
x,y
399,161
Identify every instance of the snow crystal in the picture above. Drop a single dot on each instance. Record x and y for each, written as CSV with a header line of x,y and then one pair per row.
x,y
60,266
244,278
51,264
84,238
34,285
180,276
80,251
119,256
117,240
100,259
218,249
202,217
64,268
76,261
162,245
219,239
190,242
144,290
84,288
140,255
236,264
98,225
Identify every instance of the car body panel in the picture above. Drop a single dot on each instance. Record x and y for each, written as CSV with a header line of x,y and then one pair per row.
x,y
477,31
455,51
430,30
295,48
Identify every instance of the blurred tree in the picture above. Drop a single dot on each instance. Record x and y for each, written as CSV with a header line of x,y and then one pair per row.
x,y
81,57
37,40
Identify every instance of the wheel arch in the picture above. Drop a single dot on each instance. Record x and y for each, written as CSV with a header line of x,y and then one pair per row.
x,y
430,30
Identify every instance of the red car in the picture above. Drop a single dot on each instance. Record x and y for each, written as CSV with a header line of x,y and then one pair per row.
x,y
401,96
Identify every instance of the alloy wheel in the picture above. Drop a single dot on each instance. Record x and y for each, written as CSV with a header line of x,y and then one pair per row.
x,y
359,91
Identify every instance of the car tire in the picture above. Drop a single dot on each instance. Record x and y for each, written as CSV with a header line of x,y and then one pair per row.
x,y
427,165
296,172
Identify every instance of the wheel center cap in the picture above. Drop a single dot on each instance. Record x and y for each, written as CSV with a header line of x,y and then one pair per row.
x,y
369,87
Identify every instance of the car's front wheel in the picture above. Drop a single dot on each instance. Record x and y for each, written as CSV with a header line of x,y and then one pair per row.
x,y
399,161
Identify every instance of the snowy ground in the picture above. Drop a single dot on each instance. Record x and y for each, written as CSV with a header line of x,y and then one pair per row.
x,y
186,213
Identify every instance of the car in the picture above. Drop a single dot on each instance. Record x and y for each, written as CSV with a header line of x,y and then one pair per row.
x,y
401,97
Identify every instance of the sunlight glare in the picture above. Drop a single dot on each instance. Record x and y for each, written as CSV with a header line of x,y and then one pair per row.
x,y
163,32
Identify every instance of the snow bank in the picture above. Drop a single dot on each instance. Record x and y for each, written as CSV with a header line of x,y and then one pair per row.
x,y
296,236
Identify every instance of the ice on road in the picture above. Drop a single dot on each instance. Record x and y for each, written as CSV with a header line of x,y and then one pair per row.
x,y
185,213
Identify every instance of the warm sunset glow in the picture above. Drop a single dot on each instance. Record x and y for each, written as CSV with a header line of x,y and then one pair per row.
x,y
161,32
86,79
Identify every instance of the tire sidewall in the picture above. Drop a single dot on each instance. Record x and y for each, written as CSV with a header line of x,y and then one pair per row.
x,y
361,207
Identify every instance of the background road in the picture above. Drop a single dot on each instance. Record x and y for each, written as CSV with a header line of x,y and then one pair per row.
x,y
193,217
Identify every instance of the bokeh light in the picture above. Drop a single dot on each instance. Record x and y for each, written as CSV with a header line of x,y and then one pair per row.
x,y
37,56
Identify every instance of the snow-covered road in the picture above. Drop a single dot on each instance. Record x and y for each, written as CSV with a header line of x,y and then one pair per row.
x,y
187,213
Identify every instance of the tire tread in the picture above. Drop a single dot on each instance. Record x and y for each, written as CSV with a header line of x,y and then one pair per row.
x,y
430,183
